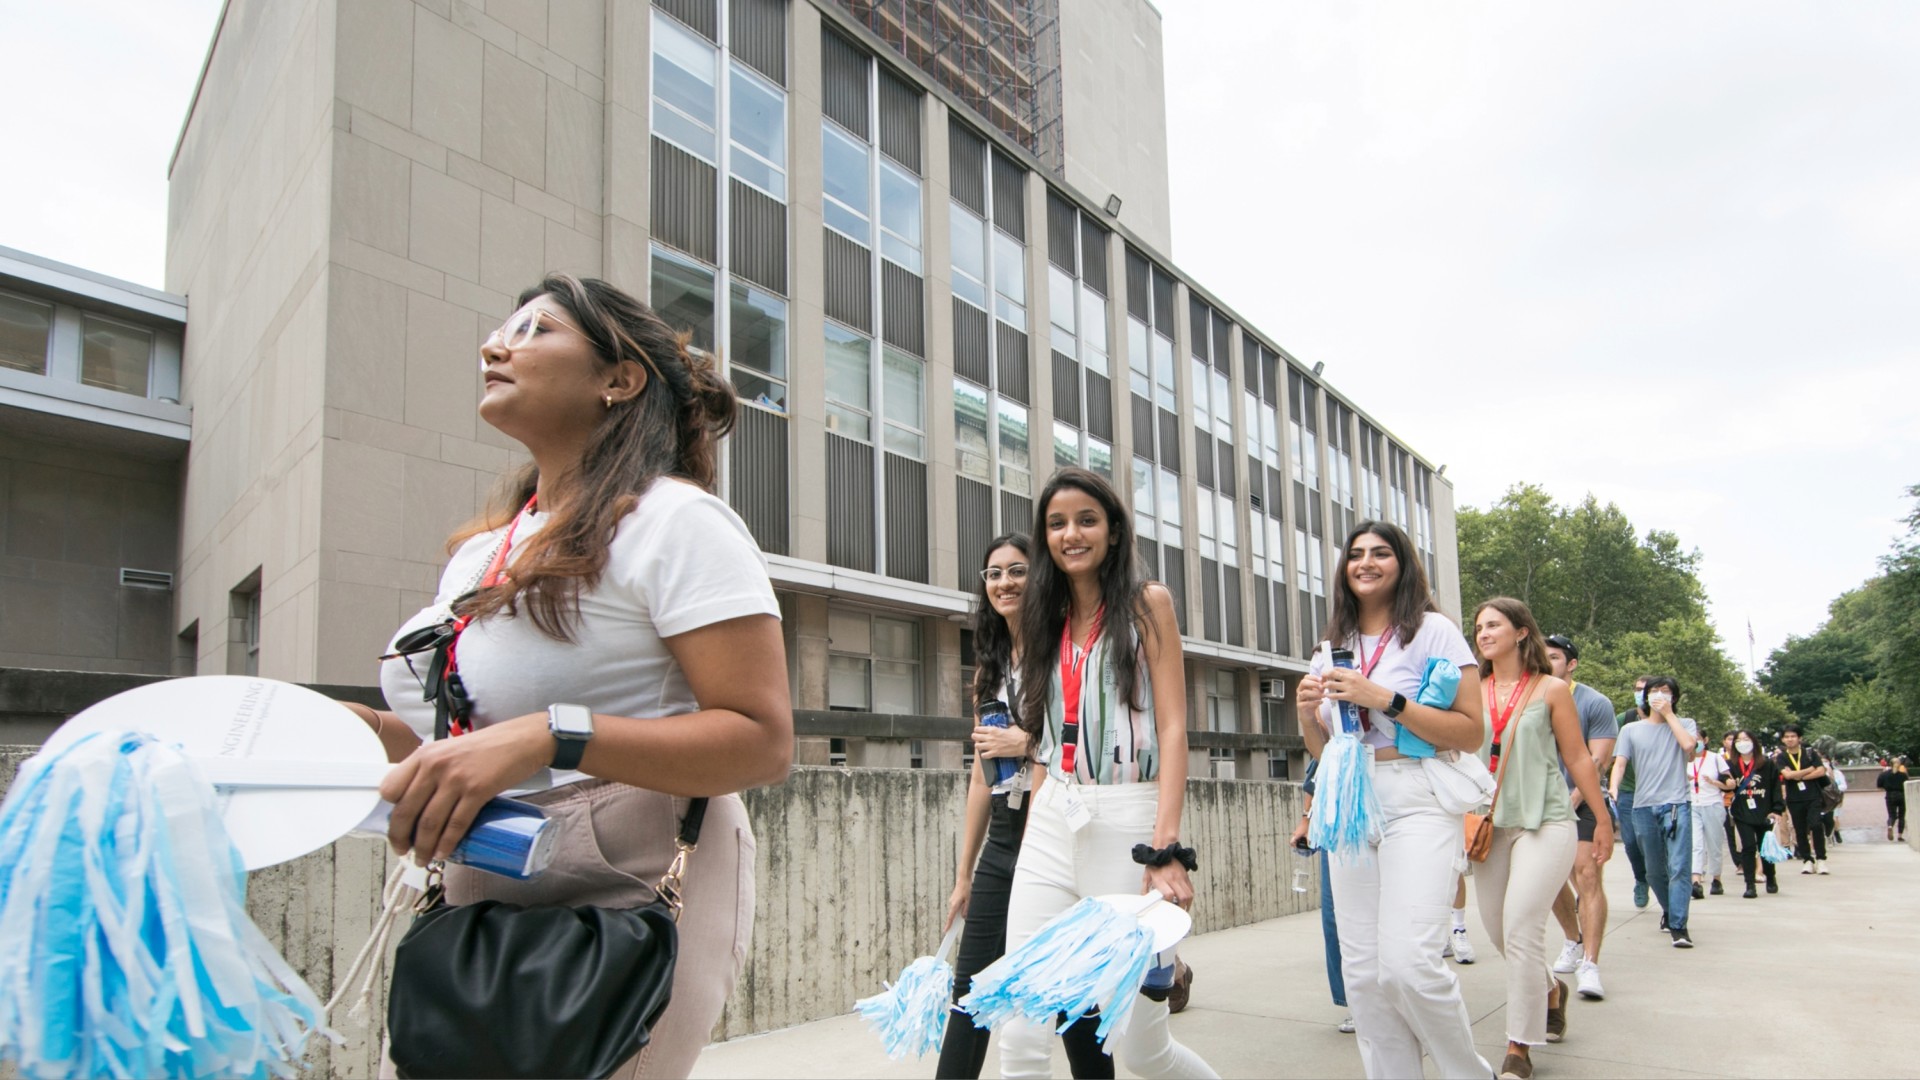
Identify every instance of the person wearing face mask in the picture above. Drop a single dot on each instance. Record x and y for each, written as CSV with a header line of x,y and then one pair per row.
x,y
1803,773
1756,802
1726,797
1708,784
1622,795
1659,748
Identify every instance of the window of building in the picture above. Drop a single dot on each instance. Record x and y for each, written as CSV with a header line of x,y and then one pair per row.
x,y
849,383
25,326
1165,391
845,180
971,444
243,627
903,398
873,663
685,100
1061,311
1144,505
1066,445
1100,457
967,232
682,295
1139,363
1016,464
1223,700
1009,280
757,126
758,360
900,215
1093,330
115,356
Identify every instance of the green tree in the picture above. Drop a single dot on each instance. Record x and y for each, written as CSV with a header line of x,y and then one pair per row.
x,y
1872,712
1686,648
1808,672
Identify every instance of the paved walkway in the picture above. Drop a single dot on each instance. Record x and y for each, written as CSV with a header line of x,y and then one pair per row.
x,y
1838,948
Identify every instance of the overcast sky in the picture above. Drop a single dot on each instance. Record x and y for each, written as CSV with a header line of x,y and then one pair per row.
x,y
1668,254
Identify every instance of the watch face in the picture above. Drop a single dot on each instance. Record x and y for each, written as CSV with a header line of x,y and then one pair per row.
x,y
572,721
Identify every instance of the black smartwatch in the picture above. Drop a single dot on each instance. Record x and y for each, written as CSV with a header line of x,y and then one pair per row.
x,y
1393,710
572,729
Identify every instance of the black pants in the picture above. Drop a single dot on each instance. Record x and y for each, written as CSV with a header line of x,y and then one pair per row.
x,y
1726,822
1897,815
964,1049
1748,849
1810,835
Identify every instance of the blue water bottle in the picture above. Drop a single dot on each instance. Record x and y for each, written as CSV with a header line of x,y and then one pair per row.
x,y
1349,712
998,770
508,837
1158,984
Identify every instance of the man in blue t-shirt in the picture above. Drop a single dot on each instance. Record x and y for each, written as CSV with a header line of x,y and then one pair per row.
x,y
1581,906
1659,748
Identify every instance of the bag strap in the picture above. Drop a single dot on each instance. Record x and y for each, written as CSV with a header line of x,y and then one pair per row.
x,y
673,881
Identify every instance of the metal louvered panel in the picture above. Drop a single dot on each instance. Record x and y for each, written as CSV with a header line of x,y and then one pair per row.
x,y
757,468
1062,223
1282,622
1009,196
1010,353
1099,406
1226,484
975,517
1232,613
849,503
899,121
1149,555
1276,492
1210,600
1250,361
1169,441
682,203
906,518
970,353
1093,256
1202,458
1269,376
1139,285
967,167
698,14
849,282
1016,513
757,36
1262,609
757,237
1199,318
1257,495
1222,336
1162,302
843,82
1176,581
903,308
1066,389
1143,444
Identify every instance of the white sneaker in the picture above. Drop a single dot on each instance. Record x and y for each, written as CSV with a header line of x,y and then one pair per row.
x,y
1462,948
1589,980
1570,958
1807,869
1346,1026
1820,867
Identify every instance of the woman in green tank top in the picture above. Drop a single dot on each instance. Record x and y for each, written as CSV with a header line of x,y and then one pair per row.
x,y
1533,726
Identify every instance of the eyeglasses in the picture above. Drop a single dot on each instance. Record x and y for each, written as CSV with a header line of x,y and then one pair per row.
x,y
519,331
993,574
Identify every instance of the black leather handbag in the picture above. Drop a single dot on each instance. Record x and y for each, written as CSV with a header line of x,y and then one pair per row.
x,y
492,989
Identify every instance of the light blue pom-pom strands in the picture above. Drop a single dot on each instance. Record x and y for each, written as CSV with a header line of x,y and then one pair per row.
x,y
1091,956
125,946
910,1015
1346,812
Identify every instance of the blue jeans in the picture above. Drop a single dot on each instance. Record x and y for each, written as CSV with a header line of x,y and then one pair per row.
x,y
1665,838
1331,932
1624,807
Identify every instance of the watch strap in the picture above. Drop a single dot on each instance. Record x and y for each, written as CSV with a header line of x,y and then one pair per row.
x,y
1397,706
568,748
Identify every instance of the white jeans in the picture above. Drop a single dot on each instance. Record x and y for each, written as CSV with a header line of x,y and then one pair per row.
x,y
1517,883
1057,868
1394,911
1709,838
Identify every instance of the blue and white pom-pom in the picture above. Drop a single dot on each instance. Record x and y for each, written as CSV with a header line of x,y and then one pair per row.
x,y
1346,811
1091,956
910,1015
125,946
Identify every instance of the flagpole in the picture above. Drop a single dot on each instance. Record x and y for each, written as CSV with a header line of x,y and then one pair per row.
x,y
1750,667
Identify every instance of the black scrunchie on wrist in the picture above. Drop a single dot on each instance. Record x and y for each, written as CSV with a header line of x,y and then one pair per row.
x,y
1173,852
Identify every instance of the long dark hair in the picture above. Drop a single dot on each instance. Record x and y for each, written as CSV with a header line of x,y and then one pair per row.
x,y
1759,754
1533,651
671,428
992,638
1043,608
1412,596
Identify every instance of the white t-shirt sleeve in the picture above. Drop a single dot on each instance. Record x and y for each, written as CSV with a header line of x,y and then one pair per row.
x,y
1439,636
695,563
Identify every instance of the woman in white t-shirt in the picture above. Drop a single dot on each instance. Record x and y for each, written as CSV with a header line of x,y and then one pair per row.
x,y
1394,903
1707,786
618,648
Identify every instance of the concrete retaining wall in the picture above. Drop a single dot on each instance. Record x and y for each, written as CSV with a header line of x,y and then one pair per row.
x,y
855,866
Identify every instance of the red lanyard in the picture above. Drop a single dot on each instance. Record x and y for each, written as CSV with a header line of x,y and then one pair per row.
x,y
1500,718
1366,672
1696,775
496,572
1072,674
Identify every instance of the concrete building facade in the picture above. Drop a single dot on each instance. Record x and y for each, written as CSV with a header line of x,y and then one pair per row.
x,y
923,319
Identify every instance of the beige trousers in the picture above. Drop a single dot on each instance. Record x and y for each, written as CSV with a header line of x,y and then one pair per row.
x,y
1516,885
615,841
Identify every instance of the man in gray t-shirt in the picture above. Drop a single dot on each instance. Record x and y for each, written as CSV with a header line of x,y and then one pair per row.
x,y
1581,907
1659,748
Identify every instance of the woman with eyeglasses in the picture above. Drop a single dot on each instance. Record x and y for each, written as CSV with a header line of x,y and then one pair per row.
x,y
1393,901
1103,692
996,817
605,643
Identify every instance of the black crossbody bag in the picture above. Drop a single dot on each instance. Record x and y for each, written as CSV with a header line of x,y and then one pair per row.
x,y
493,989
